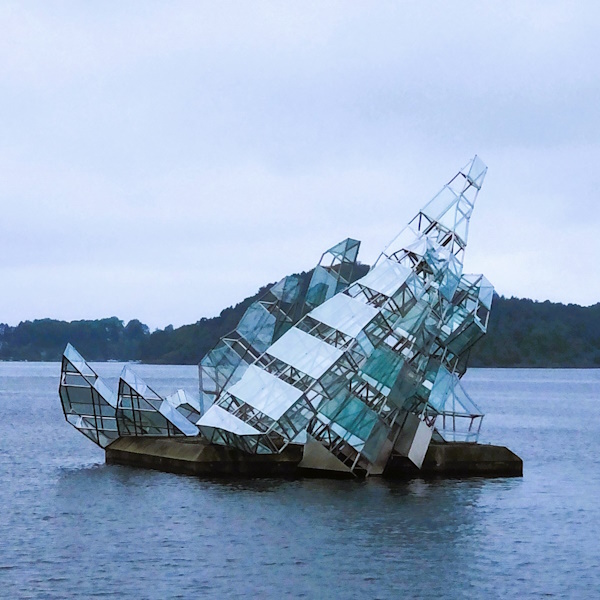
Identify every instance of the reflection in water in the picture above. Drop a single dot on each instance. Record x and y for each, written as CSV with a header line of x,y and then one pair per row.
x,y
76,527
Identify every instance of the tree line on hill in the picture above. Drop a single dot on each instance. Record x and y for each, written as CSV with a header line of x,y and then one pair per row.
x,y
521,333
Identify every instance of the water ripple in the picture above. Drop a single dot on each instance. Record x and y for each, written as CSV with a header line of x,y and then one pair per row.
x,y
73,527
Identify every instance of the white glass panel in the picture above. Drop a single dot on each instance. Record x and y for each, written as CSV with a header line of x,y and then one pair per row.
x,y
418,247
407,236
386,277
106,393
265,392
304,352
439,205
351,439
218,417
477,171
138,384
180,397
345,314
78,361
175,417
486,293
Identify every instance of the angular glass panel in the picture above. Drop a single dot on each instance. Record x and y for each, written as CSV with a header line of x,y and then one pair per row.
x,y
217,417
265,392
86,401
383,366
386,277
141,411
345,314
179,398
442,387
442,204
305,352
173,416
351,414
287,290
376,441
410,323
346,250
78,362
107,394
323,285
477,171
257,326
419,246
449,284
486,293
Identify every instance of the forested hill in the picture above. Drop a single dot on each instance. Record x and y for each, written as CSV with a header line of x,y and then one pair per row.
x,y
522,333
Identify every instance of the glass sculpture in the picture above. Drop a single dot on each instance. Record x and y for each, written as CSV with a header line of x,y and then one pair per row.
x,y
355,371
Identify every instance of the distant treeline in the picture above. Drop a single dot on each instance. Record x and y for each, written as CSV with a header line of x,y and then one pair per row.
x,y
112,339
521,333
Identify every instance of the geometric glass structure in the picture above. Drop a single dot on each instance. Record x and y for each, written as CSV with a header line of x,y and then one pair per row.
x,y
354,371
141,411
333,273
268,318
88,404
103,416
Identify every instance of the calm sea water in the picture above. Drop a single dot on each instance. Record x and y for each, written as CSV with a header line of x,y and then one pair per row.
x,y
72,527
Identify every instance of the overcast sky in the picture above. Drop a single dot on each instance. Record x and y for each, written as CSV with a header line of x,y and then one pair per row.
x,y
162,160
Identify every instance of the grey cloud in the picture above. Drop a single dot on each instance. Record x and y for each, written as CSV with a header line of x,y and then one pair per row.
x,y
217,147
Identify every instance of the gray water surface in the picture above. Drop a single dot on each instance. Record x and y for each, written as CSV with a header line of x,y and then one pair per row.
x,y
72,527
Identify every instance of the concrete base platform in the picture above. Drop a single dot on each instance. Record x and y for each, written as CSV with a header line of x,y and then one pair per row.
x,y
458,459
193,457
